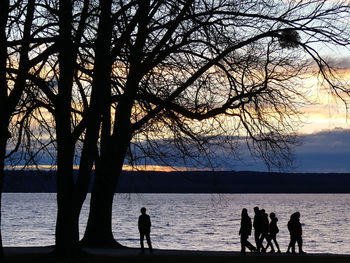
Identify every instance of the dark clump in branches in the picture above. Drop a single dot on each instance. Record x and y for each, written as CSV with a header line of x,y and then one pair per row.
x,y
289,38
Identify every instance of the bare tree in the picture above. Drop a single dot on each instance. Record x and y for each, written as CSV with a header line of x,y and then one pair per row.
x,y
11,91
71,85
119,76
68,27
59,90
46,82
190,66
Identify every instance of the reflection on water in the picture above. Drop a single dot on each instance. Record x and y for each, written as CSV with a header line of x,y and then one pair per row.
x,y
189,221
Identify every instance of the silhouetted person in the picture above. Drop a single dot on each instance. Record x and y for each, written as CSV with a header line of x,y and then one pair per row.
x,y
296,232
264,230
144,225
257,223
273,233
245,231
289,225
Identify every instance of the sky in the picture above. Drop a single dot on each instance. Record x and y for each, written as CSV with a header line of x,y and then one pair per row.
x,y
326,151
325,135
324,148
325,132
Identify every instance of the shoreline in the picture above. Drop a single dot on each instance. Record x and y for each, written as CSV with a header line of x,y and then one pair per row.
x,y
101,255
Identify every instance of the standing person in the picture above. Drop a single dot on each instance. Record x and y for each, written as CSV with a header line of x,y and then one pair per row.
x,y
144,224
296,232
264,230
289,225
257,224
245,231
273,233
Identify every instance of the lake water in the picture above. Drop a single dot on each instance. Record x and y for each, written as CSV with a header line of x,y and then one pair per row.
x,y
189,221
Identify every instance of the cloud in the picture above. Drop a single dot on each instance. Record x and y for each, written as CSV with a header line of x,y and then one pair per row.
x,y
327,151
342,63
328,141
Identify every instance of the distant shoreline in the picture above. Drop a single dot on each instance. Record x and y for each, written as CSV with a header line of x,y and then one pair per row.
x,y
194,182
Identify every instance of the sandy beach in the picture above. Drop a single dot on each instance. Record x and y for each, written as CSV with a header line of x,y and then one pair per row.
x,y
42,254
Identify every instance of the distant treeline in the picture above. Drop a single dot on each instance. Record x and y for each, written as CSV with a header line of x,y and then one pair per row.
x,y
195,182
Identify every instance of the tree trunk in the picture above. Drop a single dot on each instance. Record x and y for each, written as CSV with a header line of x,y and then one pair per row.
x,y
4,135
67,229
98,232
2,163
99,99
113,151
4,7
113,148
99,227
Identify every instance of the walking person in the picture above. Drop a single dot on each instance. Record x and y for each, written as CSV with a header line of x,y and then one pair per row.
x,y
257,224
144,224
264,230
245,231
296,232
273,233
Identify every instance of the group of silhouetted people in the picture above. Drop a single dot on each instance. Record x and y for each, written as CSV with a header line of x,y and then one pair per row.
x,y
265,230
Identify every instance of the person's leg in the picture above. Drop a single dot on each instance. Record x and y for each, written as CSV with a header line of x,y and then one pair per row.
x,y
277,246
293,241
243,243
148,238
263,236
300,244
261,247
250,246
257,240
270,243
141,242
289,245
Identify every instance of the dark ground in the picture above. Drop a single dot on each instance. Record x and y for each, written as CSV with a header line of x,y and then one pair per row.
x,y
42,254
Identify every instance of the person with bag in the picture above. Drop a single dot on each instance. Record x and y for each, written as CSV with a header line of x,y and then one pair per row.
x,y
273,230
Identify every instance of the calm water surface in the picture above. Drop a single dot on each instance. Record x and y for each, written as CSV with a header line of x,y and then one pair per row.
x,y
188,221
